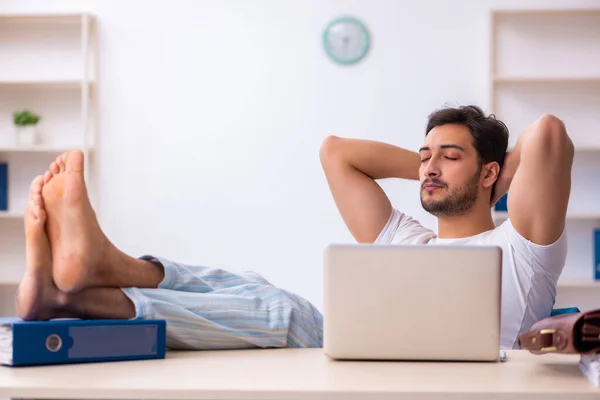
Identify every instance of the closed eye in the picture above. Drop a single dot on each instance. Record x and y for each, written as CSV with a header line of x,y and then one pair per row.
x,y
446,157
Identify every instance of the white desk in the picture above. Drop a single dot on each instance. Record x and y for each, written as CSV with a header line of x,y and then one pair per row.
x,y
284,374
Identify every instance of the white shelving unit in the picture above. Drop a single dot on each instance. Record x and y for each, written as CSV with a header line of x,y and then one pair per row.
x,y
10,214
579,283
48,64
548,61
571,216
33,149
545,80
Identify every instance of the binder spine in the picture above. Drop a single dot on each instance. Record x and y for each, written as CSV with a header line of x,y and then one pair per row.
x,y
52,343
3,186
597,254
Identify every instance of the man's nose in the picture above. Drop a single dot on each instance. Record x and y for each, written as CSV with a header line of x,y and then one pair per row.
x,y
432,170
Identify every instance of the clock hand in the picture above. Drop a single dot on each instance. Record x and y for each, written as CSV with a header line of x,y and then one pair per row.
x,y
345,39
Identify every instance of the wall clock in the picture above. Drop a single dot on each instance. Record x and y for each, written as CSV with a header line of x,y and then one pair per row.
x,y
346,40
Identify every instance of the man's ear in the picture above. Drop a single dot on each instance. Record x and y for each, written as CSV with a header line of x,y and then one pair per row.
x,y
490,174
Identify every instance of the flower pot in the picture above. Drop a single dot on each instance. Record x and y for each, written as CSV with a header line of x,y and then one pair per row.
x,y
26,135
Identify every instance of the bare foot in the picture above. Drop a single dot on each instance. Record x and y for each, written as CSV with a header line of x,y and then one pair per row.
x,y
78,244
82,255
37,297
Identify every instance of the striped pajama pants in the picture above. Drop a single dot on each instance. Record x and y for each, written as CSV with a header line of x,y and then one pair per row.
x,y
211,309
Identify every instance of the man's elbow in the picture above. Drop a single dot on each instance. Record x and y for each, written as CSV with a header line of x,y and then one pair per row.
x,y
553,135
329,148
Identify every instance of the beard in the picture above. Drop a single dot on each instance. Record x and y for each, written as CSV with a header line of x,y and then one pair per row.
x,y
457,202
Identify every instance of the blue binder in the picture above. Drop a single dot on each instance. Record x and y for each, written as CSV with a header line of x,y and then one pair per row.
x,y
3,187
597,254
502,203
77,341
565,310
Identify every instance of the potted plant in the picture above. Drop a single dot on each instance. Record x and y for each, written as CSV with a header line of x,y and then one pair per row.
x,y
26,122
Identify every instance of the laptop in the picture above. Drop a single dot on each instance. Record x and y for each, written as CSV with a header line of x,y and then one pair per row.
x,y
412,302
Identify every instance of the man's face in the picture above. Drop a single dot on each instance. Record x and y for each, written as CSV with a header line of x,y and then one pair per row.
x,y
450,171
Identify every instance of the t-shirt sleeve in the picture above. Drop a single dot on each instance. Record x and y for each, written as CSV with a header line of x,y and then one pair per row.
x,y
403,229
548,260
534,276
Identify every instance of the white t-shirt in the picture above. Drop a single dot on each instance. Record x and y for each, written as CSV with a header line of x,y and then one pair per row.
x,y
529,271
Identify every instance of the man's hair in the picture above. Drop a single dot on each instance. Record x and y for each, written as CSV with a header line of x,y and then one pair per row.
x,y
490,135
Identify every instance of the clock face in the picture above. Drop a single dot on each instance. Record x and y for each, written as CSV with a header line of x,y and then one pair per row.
x,y
346,40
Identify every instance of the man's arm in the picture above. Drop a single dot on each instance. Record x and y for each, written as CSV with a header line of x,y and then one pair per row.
x,y
351,167
540,166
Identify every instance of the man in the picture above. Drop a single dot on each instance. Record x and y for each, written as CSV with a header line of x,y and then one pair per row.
x,y
463,169
73,270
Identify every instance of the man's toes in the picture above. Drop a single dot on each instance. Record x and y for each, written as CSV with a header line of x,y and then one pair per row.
x,y
39,184
47,176
62,162
54,167
36,185
40,214
38,211
29,212
58,163
74,161
34,212
37,200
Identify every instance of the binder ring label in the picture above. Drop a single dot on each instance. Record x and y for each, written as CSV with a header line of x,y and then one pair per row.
x,y
53,343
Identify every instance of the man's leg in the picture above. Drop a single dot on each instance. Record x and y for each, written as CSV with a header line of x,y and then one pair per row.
x,y
204,308
210,308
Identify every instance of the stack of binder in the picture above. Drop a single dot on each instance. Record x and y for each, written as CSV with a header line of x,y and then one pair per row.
x,y
65,341
597,254
3,186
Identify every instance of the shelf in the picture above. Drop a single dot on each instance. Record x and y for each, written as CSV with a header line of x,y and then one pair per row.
x,y
578,149
11,214
34,149
547,80
587,149
547,12
45,83
8,281
500,215
578,283
62,18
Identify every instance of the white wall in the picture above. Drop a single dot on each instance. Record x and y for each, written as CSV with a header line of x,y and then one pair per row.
x,y
212,114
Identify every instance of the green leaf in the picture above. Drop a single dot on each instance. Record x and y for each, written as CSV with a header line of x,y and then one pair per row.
x,y
25,117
